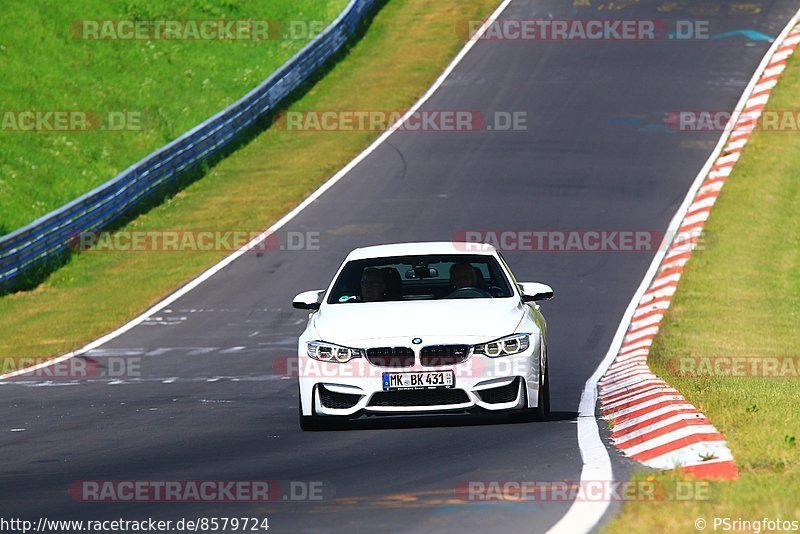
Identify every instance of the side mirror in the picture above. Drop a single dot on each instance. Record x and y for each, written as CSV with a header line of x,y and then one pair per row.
x,y
308,300
534,291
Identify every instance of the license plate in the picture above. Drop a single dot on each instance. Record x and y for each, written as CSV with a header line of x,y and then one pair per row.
x,y
419,380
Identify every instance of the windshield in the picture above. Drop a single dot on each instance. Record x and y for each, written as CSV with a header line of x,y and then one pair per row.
x,y
427,277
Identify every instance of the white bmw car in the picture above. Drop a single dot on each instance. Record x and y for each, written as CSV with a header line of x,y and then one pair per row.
x,y
421,328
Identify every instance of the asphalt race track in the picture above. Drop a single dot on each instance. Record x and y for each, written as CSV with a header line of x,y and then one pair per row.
x,y
213,401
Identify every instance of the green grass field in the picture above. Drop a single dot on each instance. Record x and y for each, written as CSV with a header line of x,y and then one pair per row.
x,y
741,298
165,87
95,292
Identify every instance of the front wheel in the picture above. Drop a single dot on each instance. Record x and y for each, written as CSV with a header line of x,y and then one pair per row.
x,y
542,409
307,422
310,423
543,404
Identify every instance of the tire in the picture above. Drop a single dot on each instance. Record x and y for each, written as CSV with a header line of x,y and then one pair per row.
x,y
543,404
308,423
525,414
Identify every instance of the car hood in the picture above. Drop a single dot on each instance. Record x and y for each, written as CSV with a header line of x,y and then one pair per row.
x,y
481,319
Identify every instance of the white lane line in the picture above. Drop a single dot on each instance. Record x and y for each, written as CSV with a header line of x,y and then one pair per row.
x,y
618,374
663,390
653,319
669,437
644,371
628,383
622,440
627,423
651,387
644,332
715,451
137,380
643,405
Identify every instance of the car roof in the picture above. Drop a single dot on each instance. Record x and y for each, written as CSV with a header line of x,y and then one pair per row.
x,y
411,249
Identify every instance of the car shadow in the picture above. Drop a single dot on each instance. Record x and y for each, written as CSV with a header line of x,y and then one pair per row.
x,y
393,422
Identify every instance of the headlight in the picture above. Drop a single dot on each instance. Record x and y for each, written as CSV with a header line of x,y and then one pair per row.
x,y
505,346
328,352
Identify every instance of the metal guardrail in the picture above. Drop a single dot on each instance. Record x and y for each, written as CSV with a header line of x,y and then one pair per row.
x,y
51,234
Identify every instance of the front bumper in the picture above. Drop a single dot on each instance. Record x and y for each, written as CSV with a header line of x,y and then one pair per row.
x,y
493,384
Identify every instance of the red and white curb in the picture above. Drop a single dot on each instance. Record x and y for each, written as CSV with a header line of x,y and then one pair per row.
x,y
652,422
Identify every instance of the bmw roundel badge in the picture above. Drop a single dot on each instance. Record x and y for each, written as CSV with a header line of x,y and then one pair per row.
x,y
416,341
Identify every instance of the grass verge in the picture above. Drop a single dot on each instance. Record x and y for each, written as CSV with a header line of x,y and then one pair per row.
x,y
741,298
144,92
406,47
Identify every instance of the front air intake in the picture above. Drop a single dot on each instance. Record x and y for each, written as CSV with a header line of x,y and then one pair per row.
x,y
337,401
419,397
499,395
